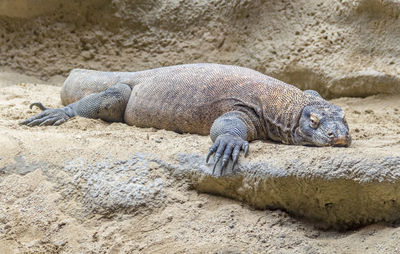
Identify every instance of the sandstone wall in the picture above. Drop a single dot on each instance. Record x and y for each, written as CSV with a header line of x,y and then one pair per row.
x,y
340,48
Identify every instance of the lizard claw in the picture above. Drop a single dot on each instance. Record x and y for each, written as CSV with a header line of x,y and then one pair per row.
x,y
49,116
39,105
227,146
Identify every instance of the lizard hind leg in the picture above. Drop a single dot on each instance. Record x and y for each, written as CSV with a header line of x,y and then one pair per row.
x,y
108,105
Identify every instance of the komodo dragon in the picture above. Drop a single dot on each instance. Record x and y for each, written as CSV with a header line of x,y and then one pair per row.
x,y
233,104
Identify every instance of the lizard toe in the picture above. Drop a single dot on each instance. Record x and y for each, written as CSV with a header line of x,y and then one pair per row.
x,y
49,116
227,146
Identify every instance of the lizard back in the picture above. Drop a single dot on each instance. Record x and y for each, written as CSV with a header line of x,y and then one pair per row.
x,y
188,98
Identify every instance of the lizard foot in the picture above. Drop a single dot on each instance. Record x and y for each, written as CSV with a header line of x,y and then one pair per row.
x,y
227,146
49,116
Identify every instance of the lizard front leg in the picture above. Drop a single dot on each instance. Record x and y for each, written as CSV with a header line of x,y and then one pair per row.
x,y
109,106
230,134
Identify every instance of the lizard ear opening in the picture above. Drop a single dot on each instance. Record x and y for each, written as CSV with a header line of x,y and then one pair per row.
x,y
314,120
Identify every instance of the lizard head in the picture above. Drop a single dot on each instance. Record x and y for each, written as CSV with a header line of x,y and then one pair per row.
x,y
323,125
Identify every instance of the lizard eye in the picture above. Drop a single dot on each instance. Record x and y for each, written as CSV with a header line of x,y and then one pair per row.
x,y
314,121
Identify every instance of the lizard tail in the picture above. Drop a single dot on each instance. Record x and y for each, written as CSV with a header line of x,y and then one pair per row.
x,y
39,105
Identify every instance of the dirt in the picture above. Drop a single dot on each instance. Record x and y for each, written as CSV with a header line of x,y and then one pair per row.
x,y
37,216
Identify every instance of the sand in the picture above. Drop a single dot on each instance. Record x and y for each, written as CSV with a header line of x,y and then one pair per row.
x,y
38,216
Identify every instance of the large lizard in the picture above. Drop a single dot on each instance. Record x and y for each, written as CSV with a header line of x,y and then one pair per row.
x,y
233,104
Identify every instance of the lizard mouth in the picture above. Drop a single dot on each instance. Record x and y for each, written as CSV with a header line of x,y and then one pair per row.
x,y
343,141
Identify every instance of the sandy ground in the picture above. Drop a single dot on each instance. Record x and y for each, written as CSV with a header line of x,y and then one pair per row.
x,y
36,217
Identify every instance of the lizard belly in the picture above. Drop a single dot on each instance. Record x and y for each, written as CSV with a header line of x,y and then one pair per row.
x,y
180,108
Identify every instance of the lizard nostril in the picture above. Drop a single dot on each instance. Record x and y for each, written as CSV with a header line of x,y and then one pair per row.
x,y
330,134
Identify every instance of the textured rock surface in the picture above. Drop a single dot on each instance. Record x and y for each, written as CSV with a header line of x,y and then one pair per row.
x,y
126,185
339,191
340,48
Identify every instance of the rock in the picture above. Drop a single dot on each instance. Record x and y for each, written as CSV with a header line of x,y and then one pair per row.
x,y
337,48
87,55
113,186
29,9
340,191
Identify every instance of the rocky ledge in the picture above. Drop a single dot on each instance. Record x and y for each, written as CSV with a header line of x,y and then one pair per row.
x,y
341,190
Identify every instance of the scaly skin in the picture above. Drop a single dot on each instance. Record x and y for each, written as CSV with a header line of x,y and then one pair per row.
x,y
233,104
